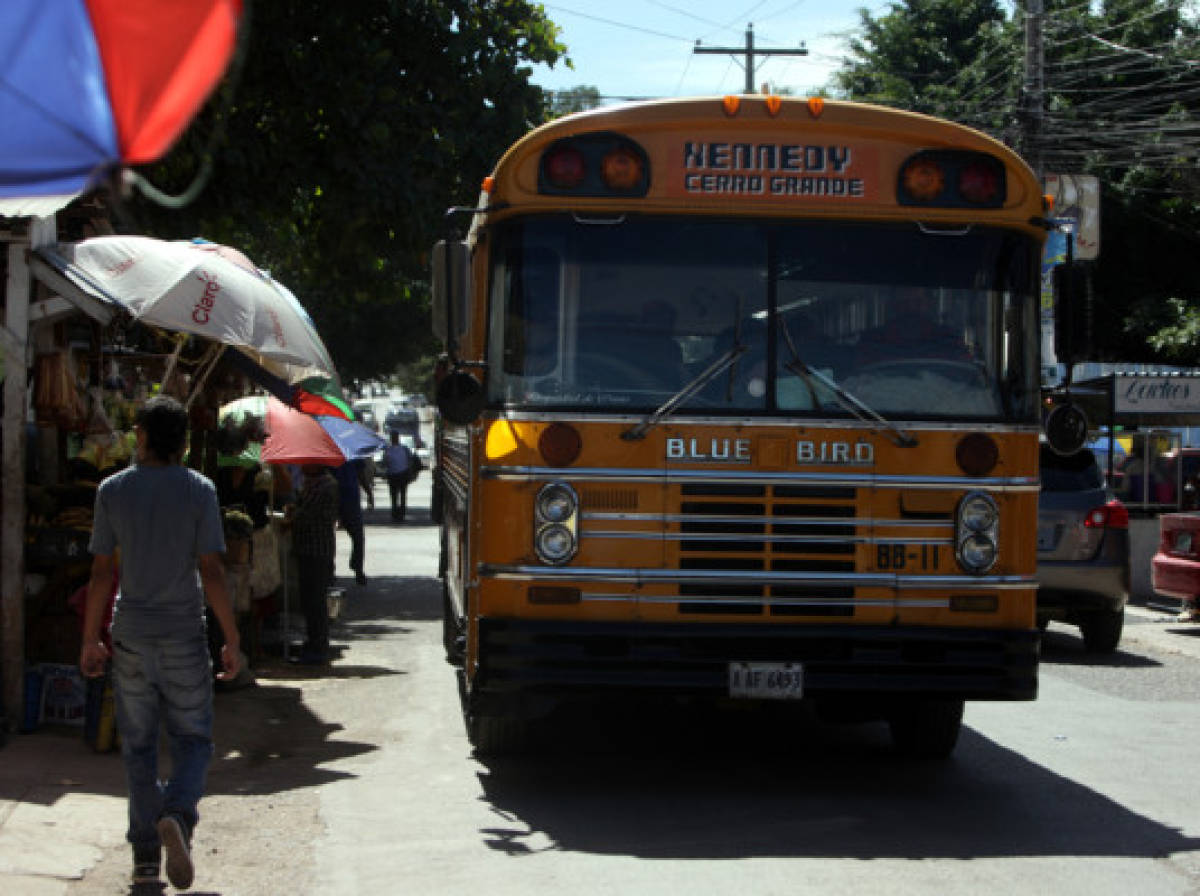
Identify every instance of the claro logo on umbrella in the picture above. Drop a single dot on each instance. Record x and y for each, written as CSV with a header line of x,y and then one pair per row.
x,y
277,325
202,311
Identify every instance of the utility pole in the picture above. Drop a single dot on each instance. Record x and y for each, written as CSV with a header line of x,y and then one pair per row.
x,y
750,51
1034,87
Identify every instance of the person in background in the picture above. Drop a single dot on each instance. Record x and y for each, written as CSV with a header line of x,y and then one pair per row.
x,y
165,520
366,479
313,519
350,516
398,462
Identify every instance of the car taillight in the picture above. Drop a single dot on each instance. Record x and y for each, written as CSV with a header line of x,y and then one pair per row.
x,y
1113,515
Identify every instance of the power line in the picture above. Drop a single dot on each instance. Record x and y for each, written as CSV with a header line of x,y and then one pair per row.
x,y
615,24
750,52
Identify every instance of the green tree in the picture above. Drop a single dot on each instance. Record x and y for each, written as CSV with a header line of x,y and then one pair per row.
x,y
565,102
923,55
1122,88
349,131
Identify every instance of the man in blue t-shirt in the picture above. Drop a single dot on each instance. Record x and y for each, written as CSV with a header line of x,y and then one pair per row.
x,y
165,520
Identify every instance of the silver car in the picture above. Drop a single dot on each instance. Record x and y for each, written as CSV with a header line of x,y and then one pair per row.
x,y
1083,550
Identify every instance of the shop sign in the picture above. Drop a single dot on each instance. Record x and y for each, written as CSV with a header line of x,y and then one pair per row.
x,y
1161,394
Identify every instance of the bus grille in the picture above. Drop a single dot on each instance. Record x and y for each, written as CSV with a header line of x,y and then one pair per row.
x,y
784,528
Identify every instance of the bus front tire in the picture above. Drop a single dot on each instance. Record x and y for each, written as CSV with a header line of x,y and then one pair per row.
x,y
926,729
496,735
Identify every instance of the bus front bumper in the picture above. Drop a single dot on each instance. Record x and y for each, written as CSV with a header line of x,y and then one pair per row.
x,y
554,658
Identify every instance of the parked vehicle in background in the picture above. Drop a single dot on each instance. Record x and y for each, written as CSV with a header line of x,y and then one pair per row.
x,y
1083,550
1175,568
364,412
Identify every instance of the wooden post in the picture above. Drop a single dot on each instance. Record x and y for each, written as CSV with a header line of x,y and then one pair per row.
x,y
12,459
15,338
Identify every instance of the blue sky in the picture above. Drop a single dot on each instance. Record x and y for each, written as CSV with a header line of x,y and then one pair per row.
x,y
644,48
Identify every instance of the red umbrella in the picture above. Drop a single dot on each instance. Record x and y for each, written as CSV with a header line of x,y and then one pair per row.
x,y
297,438
89,85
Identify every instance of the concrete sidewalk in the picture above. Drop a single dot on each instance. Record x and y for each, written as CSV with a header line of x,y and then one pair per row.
x,y
62,807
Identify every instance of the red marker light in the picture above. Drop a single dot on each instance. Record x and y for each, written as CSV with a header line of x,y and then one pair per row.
x,y
564,168
979,184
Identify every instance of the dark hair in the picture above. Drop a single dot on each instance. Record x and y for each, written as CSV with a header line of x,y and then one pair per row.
x,y
165,423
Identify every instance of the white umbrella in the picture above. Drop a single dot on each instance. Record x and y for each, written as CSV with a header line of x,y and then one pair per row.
x,y
202,288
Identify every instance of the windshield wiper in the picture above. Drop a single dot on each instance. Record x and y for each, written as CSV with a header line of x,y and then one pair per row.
x,y
703,379
854,405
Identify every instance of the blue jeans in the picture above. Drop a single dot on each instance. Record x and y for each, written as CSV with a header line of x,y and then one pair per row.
x,y
171,682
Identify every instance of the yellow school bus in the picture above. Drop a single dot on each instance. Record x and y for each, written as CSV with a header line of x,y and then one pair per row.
x,y
743,404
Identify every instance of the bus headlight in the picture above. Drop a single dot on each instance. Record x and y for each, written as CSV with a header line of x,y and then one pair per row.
x,y
555,544
978,512
977,553
556,503
556,523
978,532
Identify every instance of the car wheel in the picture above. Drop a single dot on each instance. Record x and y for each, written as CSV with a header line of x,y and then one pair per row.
x,y
1102,630
926,729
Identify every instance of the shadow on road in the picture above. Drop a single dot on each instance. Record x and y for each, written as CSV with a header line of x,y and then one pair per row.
x,y
369,610
1065,647
268,741
715,784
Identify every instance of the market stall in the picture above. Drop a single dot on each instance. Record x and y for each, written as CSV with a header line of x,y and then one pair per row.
x,y
109,326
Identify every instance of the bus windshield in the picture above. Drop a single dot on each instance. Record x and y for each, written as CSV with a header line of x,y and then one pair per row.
x,y
623,313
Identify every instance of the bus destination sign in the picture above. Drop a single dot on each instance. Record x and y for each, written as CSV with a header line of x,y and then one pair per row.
x,y
772,170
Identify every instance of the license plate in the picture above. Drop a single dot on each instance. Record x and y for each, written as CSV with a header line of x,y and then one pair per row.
x,y
771,681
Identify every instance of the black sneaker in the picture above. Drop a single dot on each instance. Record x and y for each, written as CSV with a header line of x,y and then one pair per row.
x,y
361,578
180,871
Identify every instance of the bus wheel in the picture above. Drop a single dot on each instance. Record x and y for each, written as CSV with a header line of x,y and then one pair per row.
x,y
496,735
1102,630
454,639
926,729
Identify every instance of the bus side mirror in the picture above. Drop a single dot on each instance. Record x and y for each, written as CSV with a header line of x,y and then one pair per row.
x,y
460,398
1066,429
450,275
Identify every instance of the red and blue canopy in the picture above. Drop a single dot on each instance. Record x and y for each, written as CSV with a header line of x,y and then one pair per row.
x,y
89,85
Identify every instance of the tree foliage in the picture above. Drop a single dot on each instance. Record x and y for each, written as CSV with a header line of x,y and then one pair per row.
x,y
345,136
577,99
1121,98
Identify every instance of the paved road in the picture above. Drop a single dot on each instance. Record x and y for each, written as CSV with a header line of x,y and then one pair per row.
x,y
360,780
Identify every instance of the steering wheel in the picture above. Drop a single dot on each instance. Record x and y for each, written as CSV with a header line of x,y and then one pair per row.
x,y
970,373
616,373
